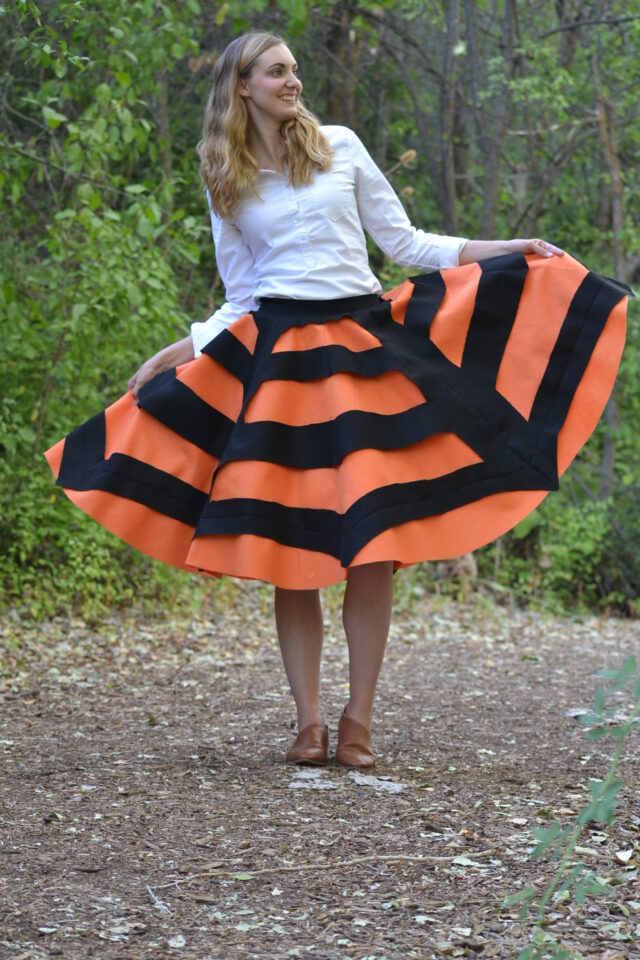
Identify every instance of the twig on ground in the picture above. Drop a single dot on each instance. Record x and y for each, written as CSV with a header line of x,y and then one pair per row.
x,y
400,858
160,904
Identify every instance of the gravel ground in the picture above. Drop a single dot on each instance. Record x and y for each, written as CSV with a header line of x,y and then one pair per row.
x,y
146,809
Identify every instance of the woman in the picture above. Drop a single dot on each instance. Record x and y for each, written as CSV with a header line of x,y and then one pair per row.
x,y
320,437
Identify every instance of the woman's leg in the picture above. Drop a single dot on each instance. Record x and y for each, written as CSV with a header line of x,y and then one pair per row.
x,y
299,626
366,615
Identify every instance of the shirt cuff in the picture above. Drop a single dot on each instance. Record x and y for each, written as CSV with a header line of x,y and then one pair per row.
x,y
203,333
451,248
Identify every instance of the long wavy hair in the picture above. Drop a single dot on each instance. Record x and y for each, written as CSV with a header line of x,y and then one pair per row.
x,y
226,165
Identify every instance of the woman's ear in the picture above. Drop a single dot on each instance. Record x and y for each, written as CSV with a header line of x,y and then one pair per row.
x,y
243,88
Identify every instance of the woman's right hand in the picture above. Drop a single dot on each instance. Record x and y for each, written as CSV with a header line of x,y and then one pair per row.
x,y
171,356
146,372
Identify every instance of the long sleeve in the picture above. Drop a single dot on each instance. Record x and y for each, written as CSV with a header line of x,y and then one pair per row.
x,y
237,272
385,220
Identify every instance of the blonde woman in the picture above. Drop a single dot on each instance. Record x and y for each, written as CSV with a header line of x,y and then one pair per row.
x,y
312,430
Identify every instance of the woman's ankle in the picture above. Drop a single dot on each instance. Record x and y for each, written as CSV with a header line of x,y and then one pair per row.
x,y
307,716
362,713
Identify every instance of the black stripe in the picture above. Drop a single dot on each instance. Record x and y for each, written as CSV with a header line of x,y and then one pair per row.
x,y
231,354
302,312
426,297
588,313
321,362
327,444
344,535
468,405
497,300
175,405
300,527
142,483
390,506
84,445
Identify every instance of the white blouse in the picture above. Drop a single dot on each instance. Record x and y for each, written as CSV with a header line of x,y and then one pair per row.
x,y
307,242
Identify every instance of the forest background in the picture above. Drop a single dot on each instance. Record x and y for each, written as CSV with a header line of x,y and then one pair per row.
x,y
524,119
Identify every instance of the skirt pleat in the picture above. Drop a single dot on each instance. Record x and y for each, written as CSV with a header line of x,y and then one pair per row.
x,y
311,437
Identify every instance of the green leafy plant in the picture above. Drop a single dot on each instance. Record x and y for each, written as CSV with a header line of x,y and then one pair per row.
x,y
574,879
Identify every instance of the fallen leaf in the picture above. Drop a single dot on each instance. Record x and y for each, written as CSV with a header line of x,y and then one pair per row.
x,y
313,785
624,855
376,783
445,946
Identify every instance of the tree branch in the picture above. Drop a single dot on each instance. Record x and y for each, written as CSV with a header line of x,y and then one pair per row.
x,y
586,23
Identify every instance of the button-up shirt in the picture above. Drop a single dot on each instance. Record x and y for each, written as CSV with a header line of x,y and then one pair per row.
x,y
307,242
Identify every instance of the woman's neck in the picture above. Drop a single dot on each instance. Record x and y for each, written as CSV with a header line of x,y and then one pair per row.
x,y
265,144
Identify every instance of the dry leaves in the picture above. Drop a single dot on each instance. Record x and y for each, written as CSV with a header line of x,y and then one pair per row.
x,y
148,812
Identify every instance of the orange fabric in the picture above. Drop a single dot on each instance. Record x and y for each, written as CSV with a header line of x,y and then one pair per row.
x,y
135,432
296,403
258,558
535,331
399,298
344,333
245,330
594,388
451,323
152,532
454,533
213,382
54,457
339,487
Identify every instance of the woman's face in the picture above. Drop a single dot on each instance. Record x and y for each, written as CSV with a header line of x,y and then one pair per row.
x,y
273,87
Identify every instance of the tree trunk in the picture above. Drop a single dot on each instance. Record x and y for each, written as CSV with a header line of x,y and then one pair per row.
x,y
606,128
337,47
447,121
493,146
164,136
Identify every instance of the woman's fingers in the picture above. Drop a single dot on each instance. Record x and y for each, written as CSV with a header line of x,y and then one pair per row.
x,y
543,247
547,249
140,377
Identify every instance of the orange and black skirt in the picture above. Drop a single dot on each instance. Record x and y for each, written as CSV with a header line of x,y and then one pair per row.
x,y
311,437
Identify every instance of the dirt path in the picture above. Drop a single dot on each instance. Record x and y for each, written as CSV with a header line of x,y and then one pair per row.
x,y
146,810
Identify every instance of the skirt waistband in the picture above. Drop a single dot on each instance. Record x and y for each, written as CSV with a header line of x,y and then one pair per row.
x,y
282,306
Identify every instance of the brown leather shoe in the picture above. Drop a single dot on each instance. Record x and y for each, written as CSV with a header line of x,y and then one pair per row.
x,y
311,746
354,744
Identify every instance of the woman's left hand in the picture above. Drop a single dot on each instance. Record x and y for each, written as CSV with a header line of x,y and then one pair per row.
x,y
475,250
543,247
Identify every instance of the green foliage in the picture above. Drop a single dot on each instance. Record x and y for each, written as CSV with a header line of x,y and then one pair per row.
x,y
90,283
105,254
571,878
555,554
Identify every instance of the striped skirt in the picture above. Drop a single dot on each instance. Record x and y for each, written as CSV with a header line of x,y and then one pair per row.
x,y
312,436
